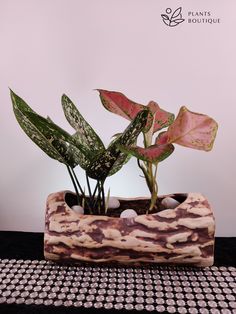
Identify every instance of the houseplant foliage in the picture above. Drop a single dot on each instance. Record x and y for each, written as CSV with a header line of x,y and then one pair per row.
x,y
83,148
86,149
189,129
181,232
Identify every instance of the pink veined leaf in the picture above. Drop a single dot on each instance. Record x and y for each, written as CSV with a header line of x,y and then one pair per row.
x,y
193,130
162,118
118,103
153,154
162,138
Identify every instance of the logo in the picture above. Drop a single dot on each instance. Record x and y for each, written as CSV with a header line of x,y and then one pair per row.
x,y
172,18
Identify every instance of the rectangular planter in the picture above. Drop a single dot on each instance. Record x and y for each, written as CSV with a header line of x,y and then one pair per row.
x,y
184,235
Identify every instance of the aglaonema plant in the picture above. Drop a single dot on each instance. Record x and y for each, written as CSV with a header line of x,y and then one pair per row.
x,y
189,129
83,148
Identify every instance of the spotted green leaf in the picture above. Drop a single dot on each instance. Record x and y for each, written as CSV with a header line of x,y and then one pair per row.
x,y
85,135
71,154
101,167
77,157
121,160
47,135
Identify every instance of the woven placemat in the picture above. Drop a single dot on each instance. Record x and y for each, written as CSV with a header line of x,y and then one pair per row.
x,y
152,288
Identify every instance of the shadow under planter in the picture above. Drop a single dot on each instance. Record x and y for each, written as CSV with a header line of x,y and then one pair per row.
x,y
183,235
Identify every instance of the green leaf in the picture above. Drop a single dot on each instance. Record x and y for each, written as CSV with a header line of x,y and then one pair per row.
x,y
77,158
121,160
153,154
101,167
46,134
85,135
73,157
119,163
21,111
52,131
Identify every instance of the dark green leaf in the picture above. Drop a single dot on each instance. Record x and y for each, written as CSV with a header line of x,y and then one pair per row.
x,y
21,111
101,167
85,135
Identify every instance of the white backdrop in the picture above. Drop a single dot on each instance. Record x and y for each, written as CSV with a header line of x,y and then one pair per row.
x,y
75,46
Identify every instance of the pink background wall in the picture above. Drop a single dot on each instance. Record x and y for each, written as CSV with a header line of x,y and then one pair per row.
x,y
75,46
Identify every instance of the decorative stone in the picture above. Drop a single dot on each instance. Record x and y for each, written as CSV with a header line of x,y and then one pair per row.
x,y
78,209
113,203
128,213
177,237
169,202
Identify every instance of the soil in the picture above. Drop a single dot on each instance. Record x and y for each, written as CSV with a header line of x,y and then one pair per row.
x,y
141,206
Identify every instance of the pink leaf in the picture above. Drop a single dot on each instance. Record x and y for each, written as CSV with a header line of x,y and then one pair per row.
x,y
162,118
153,154
162,138
118,103
192,130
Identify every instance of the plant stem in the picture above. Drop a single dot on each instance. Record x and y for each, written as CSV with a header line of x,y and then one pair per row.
x,y
89,190
81,190
145,175
100,200
154,188
103,197
74,184
78,184
88,184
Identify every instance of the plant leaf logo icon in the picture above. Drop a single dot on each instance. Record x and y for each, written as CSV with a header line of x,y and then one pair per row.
x,y
172,18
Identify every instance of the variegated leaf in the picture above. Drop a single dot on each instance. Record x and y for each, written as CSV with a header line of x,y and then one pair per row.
x,y
63,148
118,103
53,132
193,130
153,154
85,134
162,118
21,109
162,138
119,163
76,158
101,167
121,160
72,155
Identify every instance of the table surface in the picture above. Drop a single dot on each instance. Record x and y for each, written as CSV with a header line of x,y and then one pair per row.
x,y
29,246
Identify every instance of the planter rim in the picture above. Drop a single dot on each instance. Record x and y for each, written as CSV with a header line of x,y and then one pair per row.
x,y
189,195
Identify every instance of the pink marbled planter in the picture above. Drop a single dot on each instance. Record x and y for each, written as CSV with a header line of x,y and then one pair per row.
x,y
184,235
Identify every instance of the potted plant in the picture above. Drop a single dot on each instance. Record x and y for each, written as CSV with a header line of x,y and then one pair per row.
x,y
93,227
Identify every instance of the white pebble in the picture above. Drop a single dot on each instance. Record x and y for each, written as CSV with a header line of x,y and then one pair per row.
x,y
113,203
169,202
78,209
128,213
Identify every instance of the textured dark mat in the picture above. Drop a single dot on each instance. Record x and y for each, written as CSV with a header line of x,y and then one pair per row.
x,y
154,289
30,285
